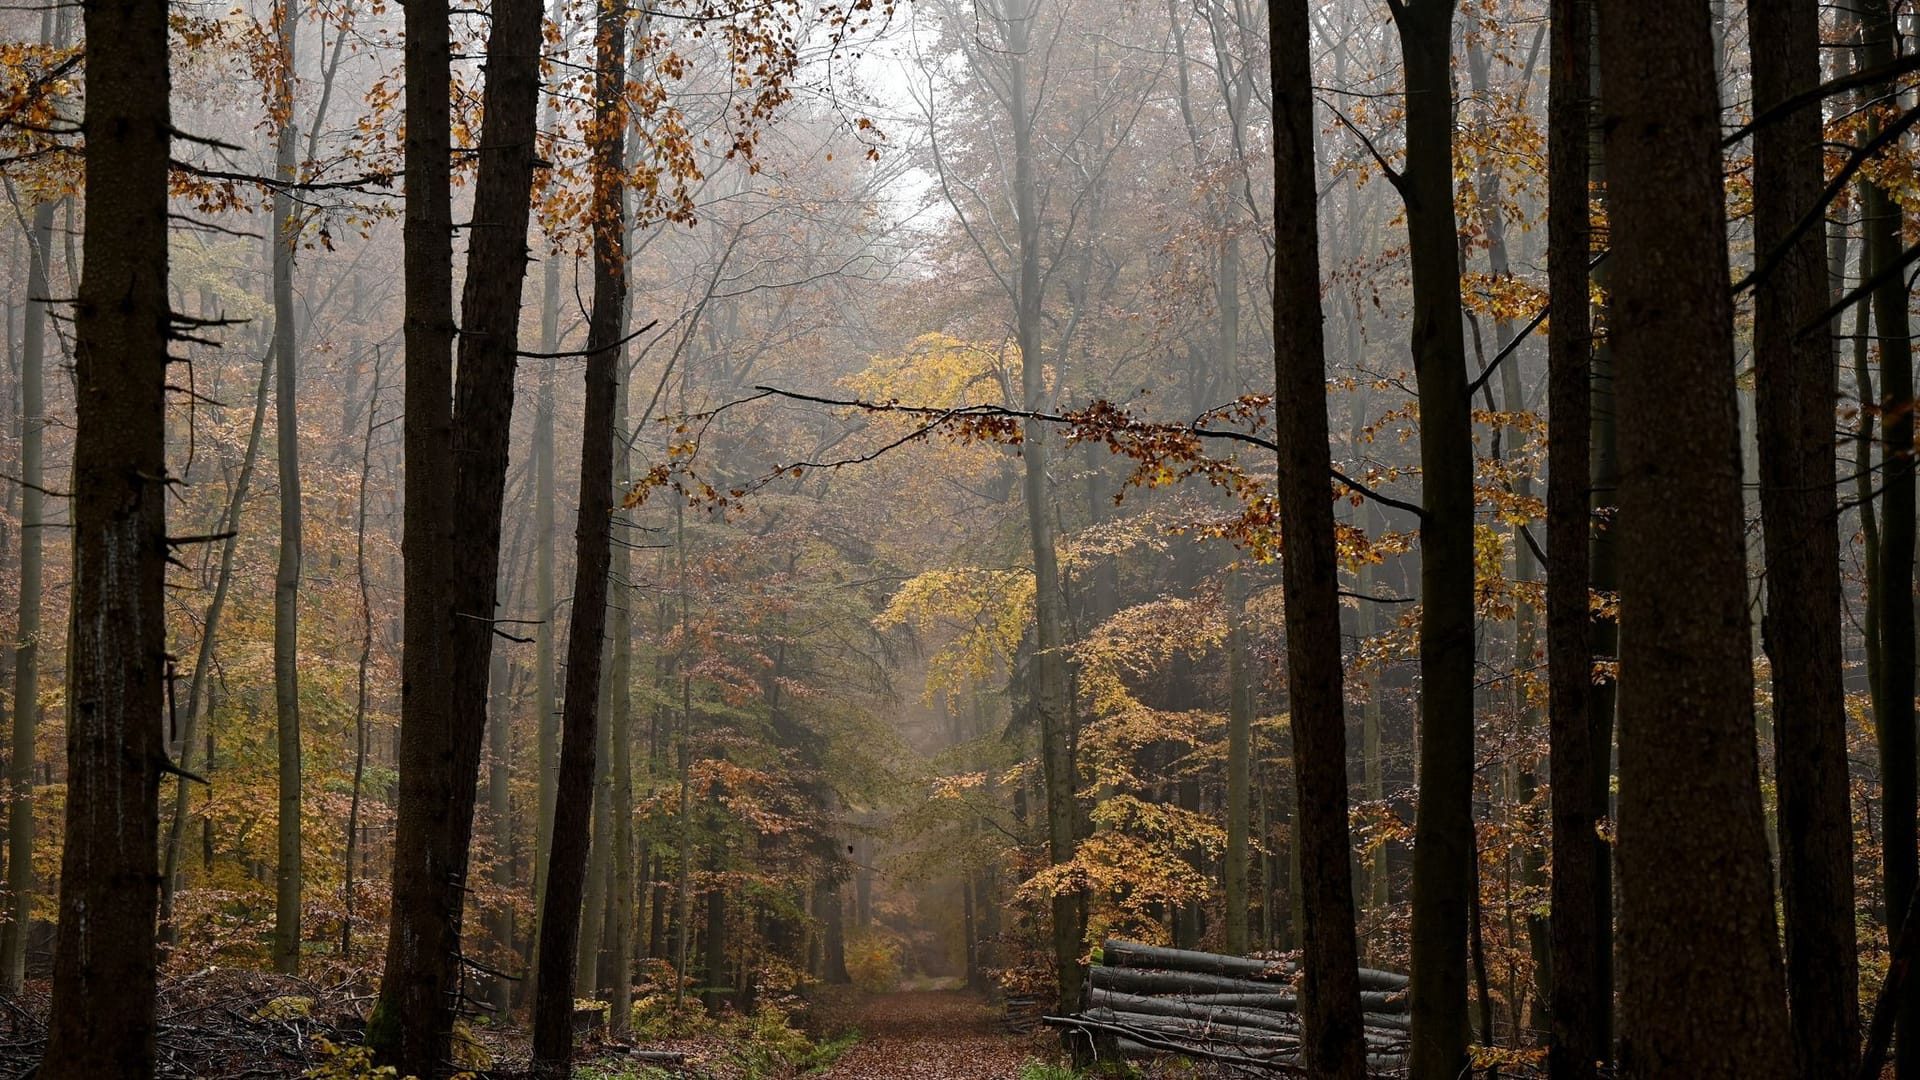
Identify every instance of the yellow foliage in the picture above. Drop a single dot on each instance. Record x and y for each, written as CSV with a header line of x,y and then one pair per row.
x,y
982,612
873,962
938,371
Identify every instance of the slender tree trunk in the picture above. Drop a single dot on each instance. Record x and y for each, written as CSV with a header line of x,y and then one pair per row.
x,y
287,876
1332,1044
560,922
197,691
500,817
102,1020
26,672
567,859
547,721
620,717
1603,569
1049,676
1795,388
546,718
1577,849
1882,222
1525,568
1240,707
586,979
1698,941
1443,829
352,853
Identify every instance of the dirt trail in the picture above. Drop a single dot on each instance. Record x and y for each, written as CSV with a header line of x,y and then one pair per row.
x,y
928,1035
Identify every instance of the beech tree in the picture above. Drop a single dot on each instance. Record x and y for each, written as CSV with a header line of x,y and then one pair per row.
x,y
102,1020
1331,1009
1697,932
567,859
1578,852
1795,388
1444,848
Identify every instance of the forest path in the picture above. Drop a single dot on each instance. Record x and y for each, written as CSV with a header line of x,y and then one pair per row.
x,y
928,1035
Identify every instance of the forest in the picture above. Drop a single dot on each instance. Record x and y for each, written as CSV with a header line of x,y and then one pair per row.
x,y
959,539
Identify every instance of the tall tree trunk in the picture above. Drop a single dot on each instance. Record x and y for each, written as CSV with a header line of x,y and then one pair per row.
x,y
287,876
450,615
1049,677
560,919
1443,828
546,717
1241,676
620,719
26,672
197,690
102,1021
1332,1043
1882,222
1697,937
1795,387
566,872
586,979
500,817
1577,999
348,859
1521,774
414,1032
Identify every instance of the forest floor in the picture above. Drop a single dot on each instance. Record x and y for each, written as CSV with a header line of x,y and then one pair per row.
x,y
216,1024
926,1035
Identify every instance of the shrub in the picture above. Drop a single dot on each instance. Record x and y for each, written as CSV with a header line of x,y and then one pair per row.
x,y
873,963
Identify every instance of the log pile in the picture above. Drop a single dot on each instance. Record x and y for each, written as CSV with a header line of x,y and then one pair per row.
x,y
1239,1011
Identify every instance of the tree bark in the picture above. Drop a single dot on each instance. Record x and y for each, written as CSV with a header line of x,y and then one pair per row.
x,y
1333,1045
26,672
1577,849
567,861
102,1021
1049,674
287,875
1443,829
1795,387
1697,932
560,919
203,660
1882,222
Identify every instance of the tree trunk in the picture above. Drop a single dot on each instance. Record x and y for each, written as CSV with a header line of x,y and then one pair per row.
x,y
620,719
1333,1043
449,617
1443,828
1603,569
1049,677
287,876
348,865
1240,707
102,1020
26,672
1577,850
500,817
567,858
546,718
586,978
1697,934
1882,222
413,1030
1795,388
197,690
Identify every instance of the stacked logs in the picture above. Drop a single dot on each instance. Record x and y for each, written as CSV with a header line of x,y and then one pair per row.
x,y
1144,999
